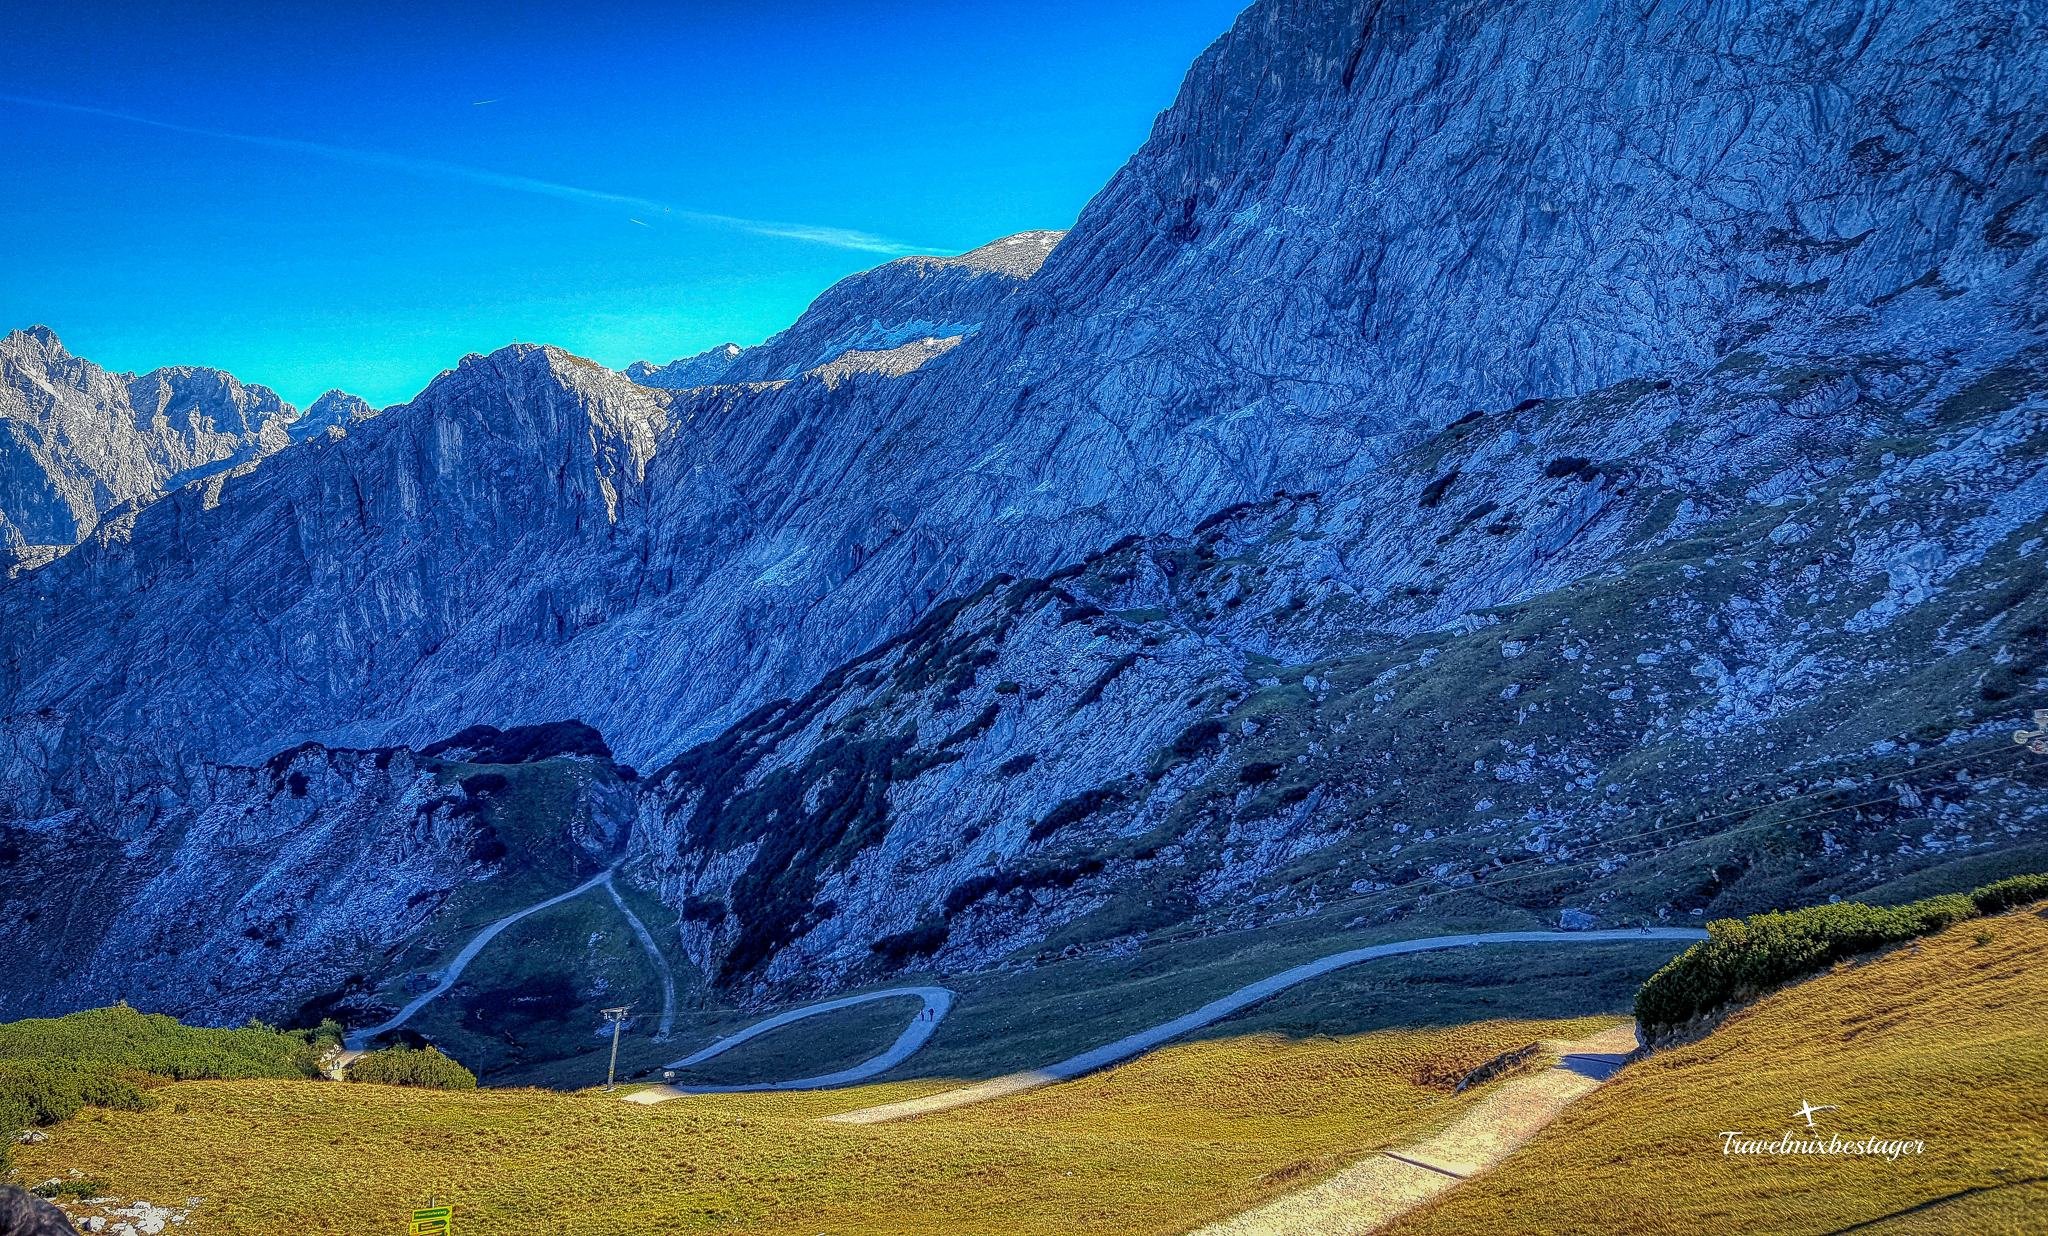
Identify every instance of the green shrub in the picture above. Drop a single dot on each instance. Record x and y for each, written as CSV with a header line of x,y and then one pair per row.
x,y
84,1186
1076,809
50,1067
160,1046
1743,957
408,1066
36,1092
2005,894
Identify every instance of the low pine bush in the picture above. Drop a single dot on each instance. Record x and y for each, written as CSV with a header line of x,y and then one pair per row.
x,y
1744,957
50,1067
924,939
2004,895
161,1046
408,1066
39,1092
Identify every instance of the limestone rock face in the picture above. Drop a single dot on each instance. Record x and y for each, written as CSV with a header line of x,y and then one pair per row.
x,y
324,586
1697,349
78,443
703,369
332,414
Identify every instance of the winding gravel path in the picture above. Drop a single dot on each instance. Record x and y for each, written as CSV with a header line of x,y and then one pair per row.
x,y
1373,1192
661,966
1145,1040
359,1041
935,1002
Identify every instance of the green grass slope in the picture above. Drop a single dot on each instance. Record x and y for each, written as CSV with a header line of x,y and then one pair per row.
x,y
1943,1040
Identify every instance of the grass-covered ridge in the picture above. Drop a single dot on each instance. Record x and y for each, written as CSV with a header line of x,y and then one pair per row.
x,y
51,1067
1186,1134
1747,956
1939,1042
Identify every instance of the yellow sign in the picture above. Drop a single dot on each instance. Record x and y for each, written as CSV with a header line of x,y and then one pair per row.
x,y
433,1221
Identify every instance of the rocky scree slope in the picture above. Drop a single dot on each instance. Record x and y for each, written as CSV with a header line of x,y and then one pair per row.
x,y
1357,225
79,444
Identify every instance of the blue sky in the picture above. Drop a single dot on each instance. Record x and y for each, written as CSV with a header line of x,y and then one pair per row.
x,y
312,197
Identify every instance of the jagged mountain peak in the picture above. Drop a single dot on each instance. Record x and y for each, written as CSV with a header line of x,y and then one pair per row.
x,y
333,414
1018,256
340,404
40,336
78,442
508,370
224,401
703,369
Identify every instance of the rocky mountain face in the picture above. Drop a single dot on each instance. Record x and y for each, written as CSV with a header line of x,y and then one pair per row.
x,y
331,415
285,888
496,510
78,443
905,303
1634,657
703,369
1583,459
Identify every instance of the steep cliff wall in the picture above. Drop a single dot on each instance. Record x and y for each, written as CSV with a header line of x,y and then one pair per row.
x,y
1536,299
78,443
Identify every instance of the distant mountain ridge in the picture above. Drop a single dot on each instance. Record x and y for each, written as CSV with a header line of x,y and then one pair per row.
x,y
78,443
879,310
703,369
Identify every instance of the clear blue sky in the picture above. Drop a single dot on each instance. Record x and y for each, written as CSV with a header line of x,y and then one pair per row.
x,y
311,197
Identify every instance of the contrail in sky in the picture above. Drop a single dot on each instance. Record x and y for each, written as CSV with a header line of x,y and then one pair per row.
x,y
810,233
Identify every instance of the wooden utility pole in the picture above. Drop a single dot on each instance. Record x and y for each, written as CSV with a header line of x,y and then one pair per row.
x,y
617,1017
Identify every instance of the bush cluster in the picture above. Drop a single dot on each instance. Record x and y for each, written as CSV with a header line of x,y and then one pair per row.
x,y
1001,882
50,1067
1742,958
2004,895
410,1066
41,1092
1076,809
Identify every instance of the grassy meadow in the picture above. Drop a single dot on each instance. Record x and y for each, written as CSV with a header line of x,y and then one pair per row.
x,y
1942,1039
1194,1131
1945,1040
1024,1017
1290,1089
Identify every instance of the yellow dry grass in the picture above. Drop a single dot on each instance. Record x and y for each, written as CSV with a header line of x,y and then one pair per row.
x,y
1190,1133
1944,1041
